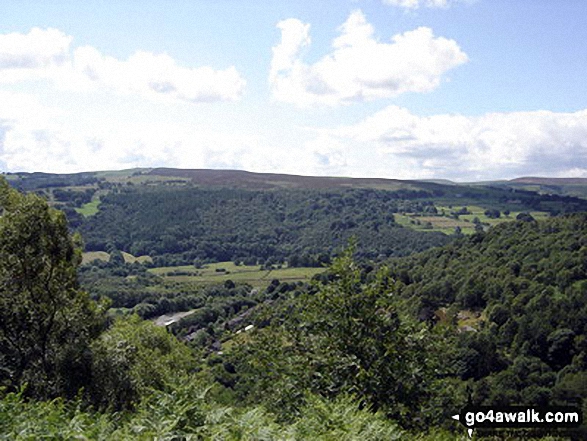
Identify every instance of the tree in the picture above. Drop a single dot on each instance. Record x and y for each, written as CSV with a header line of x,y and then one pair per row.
x,y
492,213
526,217
46,321
366,345
132,358
350,336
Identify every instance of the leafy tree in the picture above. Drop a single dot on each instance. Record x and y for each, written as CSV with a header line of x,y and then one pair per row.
x,y
492,213
46,321
349,337
133,357
526,217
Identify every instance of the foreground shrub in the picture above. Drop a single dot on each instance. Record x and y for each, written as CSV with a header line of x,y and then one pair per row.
x,y
132,358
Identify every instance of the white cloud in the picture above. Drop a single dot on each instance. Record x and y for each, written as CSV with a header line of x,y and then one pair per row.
x,y
360,68
395,143
37,49
294,36
392,143
33,55
46,54
416,4
35,137
150,75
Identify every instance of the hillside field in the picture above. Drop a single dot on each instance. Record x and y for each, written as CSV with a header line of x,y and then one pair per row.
x,y
217,273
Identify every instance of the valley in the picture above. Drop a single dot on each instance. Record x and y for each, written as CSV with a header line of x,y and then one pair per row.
x,y
267,292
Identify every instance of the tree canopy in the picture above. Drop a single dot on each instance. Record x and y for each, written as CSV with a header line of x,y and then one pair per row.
x,y
46,320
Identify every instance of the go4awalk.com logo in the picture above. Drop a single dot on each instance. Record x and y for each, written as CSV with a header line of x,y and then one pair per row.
x,y
517,417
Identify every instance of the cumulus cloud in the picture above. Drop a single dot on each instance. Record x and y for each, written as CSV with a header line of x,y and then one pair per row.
x,y
392,143
151,74
416,4
32,55
47,54
359,68
35,137
37,49
395,143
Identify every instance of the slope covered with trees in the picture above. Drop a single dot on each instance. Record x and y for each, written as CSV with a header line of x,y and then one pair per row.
x,y
499,318
526,282
178,225
370,351
179,215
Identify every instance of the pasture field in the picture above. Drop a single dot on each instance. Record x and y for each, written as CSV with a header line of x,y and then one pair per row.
x,y
439,223
216,273
479,212
445,223
90,256
129,258
89,209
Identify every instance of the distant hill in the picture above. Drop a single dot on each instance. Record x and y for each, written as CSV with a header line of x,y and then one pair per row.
x,y
550,181
179,215
576,187
264,181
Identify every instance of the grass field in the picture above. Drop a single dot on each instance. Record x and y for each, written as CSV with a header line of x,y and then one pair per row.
x,y
220,272
89,209
104,256
129,258
439,223
479,212
90,256
447,225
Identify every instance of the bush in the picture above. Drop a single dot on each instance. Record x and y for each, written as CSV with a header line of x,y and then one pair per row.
x,y
133,357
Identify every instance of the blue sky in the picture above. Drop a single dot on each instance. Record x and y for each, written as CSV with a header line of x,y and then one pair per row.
x,y
457,89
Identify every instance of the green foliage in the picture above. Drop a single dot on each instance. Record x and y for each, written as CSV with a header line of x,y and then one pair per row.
x,y
185,412
304,226
132,358
340,419
526,282
492,213
46,321
349,337
369,349
56,419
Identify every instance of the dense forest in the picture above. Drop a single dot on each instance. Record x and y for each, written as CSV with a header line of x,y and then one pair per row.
x,y
385,349
527,283
177,216
304,227
499,318
177,225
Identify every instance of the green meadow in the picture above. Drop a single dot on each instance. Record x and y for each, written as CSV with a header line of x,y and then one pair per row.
x,y
445,223
216,273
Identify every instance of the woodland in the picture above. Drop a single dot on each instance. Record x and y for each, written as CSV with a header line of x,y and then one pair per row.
x,y
401,329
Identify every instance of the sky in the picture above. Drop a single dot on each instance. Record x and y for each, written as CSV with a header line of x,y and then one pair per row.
x,y
468,90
